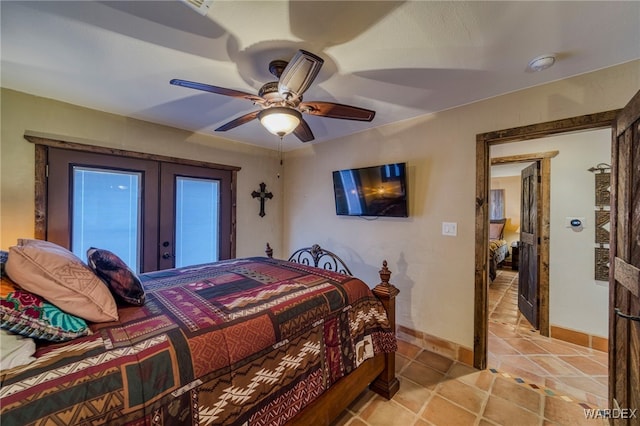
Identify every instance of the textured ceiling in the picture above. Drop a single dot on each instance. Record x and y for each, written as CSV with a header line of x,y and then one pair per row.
x,y
401,59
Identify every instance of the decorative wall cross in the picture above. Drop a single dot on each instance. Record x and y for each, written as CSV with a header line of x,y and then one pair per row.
x,y
263,195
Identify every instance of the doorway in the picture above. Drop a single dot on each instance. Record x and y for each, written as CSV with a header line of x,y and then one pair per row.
x,y
514,346
534,273
483,162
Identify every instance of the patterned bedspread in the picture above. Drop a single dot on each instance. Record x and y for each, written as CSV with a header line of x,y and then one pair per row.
x,y
248,341
498,251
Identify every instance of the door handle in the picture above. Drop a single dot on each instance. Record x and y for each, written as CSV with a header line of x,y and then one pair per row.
x,y
166,254
625,316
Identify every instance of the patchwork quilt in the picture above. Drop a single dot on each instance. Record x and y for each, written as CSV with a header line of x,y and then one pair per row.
x,y
498,251
239,342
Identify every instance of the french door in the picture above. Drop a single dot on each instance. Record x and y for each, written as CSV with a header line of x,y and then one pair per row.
x,y
152,214
193,227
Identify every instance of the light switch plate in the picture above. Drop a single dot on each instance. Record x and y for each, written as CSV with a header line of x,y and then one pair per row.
x,y
449,229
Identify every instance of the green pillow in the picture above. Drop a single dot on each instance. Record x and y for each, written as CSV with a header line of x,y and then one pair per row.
x,y
29,315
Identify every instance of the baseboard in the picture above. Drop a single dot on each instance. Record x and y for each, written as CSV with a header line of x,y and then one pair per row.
x,y
580,338
464,355
438,345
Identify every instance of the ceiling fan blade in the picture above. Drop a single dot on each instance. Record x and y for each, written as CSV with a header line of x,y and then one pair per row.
x,y
216,90
333,110
303,132
299,74
238,121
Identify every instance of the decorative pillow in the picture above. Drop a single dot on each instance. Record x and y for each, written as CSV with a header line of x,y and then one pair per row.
x,y
496,229
122,281
4,255
30,315
59,276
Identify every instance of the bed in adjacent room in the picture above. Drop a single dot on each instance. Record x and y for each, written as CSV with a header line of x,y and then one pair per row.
x,y
254,341
498,247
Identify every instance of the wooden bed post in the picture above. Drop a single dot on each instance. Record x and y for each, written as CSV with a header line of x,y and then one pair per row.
x,y
387,384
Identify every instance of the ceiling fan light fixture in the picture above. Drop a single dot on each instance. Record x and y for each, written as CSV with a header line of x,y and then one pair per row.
x,y
280,120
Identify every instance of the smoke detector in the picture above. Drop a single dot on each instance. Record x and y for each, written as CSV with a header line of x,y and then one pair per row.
x,y
541,62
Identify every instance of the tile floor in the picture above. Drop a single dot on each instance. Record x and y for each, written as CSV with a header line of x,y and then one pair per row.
x,y
531,380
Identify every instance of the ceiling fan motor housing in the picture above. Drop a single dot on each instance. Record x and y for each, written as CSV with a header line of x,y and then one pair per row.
x,y
276,67
269,91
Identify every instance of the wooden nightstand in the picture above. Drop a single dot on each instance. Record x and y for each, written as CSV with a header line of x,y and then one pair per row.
x,y
515,255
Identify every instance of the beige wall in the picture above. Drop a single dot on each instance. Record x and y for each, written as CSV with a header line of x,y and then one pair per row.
x,y
434,273
22,113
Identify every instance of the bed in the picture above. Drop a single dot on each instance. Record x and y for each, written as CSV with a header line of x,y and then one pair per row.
x,y
498,248
255,341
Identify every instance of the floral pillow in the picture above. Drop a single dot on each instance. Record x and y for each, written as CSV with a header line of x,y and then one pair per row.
x,y
29,315
122,281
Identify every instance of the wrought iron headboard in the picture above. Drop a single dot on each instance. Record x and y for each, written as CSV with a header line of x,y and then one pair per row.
x,y
318,257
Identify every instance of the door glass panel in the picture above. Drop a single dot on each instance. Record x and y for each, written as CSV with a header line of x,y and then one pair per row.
x,y
197,221
106,213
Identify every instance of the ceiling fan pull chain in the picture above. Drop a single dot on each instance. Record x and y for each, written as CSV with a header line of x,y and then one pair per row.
x,y
280,154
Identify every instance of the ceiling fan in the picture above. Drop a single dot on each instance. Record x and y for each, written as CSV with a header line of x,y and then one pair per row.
x,y
281,101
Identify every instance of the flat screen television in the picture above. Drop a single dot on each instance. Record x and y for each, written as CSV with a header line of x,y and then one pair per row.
x,y
371,191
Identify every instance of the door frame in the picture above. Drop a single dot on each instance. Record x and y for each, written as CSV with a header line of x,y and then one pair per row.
x,y
483,162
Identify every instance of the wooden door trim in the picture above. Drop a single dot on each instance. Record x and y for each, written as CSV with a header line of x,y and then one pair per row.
x,y
626,117
57,143
483,143
627,275
524,158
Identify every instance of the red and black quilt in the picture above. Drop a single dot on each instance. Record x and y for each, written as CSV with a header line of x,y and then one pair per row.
x,y
245,341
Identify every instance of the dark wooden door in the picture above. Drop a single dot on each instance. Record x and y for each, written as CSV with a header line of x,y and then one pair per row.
x,y
624,285
528,267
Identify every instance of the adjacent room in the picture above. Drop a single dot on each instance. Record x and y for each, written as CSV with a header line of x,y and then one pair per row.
x,y
581,320
459,176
